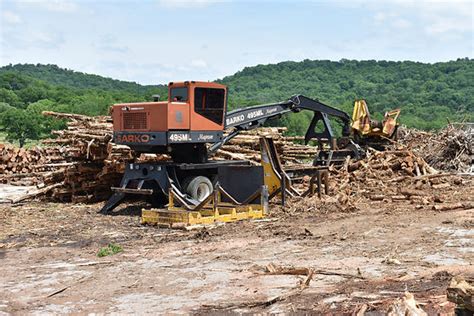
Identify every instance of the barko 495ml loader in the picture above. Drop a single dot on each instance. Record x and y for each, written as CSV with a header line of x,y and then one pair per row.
x,y
190,127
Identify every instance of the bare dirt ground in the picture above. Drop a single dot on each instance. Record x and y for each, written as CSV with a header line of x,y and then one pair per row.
x,y
370,255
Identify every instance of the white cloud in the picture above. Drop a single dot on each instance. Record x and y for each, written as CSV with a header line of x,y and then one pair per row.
x,y
391,19
434,17
401,23
52,5
43,39
188,3
380,17
445,26
10,18
441,17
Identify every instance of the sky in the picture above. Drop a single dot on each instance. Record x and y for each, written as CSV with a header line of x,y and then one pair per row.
x,y
157,41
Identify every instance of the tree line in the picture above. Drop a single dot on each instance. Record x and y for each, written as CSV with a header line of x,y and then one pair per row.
x,y
429,95
23,97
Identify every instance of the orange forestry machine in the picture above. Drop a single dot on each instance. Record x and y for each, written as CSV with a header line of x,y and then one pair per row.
x,y
190,127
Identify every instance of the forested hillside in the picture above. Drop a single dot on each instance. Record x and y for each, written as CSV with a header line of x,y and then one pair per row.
x,y
23,97
429,94
55,75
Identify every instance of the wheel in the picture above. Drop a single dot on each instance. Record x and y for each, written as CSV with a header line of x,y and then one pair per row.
x,y
199,188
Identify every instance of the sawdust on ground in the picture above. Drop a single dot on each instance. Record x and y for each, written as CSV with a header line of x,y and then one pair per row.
x,y
382,248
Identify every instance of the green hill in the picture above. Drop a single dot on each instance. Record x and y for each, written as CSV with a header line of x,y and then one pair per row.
x,y
55,75
428,94
27,90
23,85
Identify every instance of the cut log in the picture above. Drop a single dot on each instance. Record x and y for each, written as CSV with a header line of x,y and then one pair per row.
x,y
36,193
447,207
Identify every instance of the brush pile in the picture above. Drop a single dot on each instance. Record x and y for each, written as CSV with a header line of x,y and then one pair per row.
x,y
386,177
378,176
451,149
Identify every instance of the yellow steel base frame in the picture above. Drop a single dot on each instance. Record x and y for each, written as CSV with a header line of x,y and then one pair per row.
x,y
211,210
221,213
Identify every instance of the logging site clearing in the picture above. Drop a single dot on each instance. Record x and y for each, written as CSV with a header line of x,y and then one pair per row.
x,y
392,233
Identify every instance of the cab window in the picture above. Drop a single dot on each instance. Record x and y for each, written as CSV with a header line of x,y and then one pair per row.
x,y
210,103
179,94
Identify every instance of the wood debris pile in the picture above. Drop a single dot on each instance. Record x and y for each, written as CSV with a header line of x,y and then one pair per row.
x,y
398,176
461,292
406,306
377,175
82,163
451,149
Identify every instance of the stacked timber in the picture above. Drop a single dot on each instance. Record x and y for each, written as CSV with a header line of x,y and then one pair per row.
x,y
246,146
19,160
79,165
85,137
89,158
82,163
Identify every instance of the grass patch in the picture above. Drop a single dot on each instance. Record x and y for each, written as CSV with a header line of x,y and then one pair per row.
x,y
28,144
111,249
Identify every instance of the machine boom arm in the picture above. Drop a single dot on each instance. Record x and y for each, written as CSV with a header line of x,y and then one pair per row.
x,y
256,116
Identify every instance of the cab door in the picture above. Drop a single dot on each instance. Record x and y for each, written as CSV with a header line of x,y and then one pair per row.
x,y
179,108
209,108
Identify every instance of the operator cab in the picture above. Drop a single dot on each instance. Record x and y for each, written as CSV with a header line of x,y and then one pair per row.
x,y
207,103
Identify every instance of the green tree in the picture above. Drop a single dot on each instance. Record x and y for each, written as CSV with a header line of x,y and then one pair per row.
x,y
5,107
45,124
10,97
20,125
428,94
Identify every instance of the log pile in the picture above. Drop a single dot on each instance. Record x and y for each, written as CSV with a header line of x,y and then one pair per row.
x,y
379,176
15,160
246,146
451,149
90,164
80,165
86,138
